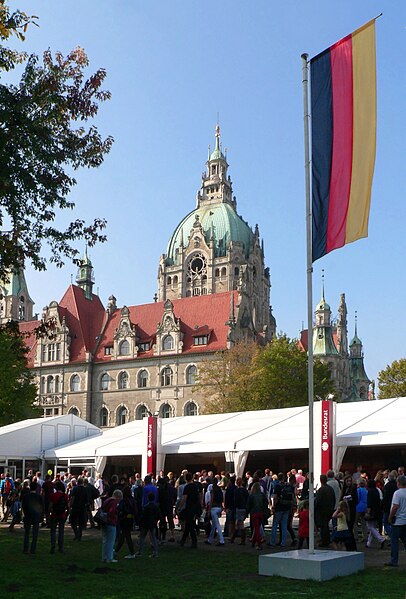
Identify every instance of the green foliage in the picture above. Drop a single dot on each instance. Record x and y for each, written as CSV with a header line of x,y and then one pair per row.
x,y
248,377
17,390
392,380
44,138
12,23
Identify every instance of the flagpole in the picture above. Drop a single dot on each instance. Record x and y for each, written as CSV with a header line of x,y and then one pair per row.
x,y
306,118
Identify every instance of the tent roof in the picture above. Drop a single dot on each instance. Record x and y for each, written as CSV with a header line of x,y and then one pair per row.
x,y
30,438
362,423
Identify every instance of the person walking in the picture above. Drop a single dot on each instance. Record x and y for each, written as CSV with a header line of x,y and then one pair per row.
x,y
282,501
373,515
257,505
109,528
325,505
397,519
126,518
216,507
58,511
33,510
78,508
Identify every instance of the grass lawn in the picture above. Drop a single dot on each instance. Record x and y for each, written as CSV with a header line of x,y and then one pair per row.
x,y
177,573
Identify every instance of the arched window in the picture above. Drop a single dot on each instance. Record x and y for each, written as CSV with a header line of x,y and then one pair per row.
x,y
175,281
124,349
56,384
123,380
191,409
236,271
143,379
191,374
104,417
166,376
223,271
74,411
50,384
75,383
142,412
169,281
217,272
167,343
165,411
104,382
122,415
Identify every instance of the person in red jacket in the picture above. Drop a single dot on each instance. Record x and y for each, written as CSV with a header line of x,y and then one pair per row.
x,y
304,524
57,514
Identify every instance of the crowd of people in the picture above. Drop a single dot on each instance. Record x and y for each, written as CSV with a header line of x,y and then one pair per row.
x,y
349,509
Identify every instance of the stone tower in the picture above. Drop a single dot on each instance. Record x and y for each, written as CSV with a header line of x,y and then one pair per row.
x,y
85,276
359,378
213,249
15,301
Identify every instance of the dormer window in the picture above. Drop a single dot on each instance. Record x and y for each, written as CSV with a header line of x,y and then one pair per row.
x,y
201,340
108,350
144,346
167,343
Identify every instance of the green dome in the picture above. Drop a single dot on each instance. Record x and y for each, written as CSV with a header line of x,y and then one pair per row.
x,y
226,224
323,305
217,154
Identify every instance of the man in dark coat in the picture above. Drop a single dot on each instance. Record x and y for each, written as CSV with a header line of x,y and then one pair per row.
x,y
325,504
33,509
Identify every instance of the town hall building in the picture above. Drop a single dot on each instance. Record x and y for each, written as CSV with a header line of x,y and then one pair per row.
x,y
113,364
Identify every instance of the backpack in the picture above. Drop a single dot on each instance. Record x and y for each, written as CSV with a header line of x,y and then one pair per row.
x,y
286,496
7,487
60,507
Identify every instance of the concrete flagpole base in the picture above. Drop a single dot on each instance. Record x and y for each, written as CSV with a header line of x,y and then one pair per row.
x,y
302,565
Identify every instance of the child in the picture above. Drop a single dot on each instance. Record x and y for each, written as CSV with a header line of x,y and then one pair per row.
x,y
148,523
303,524
342,534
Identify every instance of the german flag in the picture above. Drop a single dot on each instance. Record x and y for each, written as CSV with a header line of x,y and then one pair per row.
x,y
343,117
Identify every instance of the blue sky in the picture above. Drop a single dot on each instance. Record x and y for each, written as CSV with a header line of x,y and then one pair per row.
x,y
172,66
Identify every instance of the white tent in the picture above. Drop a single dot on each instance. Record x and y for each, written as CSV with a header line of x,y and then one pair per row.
x,y
30,439
367,423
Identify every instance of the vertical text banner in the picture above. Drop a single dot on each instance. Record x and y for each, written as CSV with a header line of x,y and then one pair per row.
x,y
327,445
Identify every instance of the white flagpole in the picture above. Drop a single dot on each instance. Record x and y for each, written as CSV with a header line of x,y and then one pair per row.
x,y
306,118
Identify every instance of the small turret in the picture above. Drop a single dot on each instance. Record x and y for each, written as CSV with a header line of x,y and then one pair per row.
x,y
85,276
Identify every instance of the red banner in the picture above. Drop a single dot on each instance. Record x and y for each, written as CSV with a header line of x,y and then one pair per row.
x,y
326,436
152,444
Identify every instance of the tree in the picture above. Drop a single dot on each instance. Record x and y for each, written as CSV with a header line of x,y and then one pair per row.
x,y
392,380
44,137
17,390
249,377
227,381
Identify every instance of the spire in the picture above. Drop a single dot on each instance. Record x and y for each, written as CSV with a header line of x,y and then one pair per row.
x,y
322,285
217,137
217,153
356,319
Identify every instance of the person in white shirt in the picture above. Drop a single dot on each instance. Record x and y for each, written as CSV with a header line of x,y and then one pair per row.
x,y
397,517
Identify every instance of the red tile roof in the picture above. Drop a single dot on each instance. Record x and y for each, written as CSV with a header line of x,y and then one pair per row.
x,y
84,319
209,311
199,315
28,331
